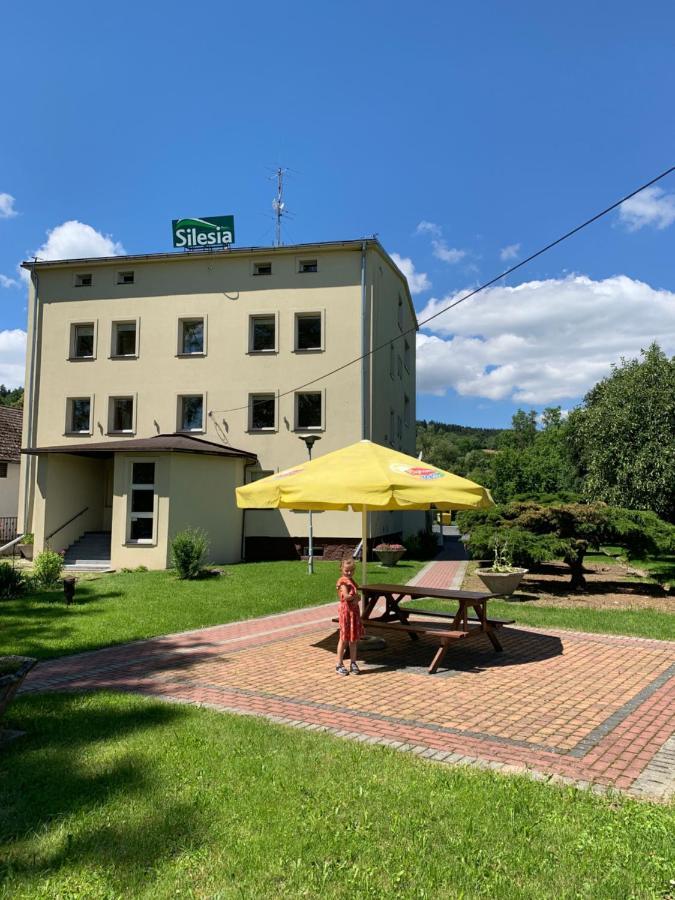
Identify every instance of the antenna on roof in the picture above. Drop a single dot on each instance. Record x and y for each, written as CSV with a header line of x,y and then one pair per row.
x,y
279,206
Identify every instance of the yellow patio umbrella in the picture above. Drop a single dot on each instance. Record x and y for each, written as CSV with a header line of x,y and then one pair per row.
x,y
364,476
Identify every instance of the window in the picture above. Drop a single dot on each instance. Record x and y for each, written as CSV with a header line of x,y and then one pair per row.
x,y
79,415
125,277
82,341
406,410
257,474
392,361
406,355
141,527
262,412
308,411
262,268
191,337
83,279
121,415
400,312
262,334
124,339
308,331
191,412
3,470
308,265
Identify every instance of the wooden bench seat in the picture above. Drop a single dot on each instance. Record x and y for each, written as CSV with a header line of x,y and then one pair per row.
x,y
496,623
438,629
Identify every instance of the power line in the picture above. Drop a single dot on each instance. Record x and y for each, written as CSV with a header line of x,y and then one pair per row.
x,y
472,293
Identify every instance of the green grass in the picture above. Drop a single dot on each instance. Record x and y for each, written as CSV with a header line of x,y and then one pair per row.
x,y
113,609
116,796
660,568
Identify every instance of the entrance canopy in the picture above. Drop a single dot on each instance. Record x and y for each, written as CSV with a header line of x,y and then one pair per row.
x,y
160,443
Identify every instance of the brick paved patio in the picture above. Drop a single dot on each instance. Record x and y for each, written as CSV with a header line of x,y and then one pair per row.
x,y
582,708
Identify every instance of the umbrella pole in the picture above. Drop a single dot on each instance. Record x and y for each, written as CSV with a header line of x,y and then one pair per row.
x,y
364,546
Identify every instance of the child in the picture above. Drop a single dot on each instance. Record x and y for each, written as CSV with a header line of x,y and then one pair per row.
x,y
349,617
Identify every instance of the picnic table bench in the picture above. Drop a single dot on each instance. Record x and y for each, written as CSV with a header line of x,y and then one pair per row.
x,y
460,626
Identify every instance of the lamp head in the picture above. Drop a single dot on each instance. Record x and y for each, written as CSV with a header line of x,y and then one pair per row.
x,y
309,439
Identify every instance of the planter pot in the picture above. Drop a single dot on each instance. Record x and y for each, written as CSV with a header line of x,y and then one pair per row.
x,y
502,583
26,550
10,682
389,557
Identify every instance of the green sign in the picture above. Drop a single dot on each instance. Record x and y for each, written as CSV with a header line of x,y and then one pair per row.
x,y
193,234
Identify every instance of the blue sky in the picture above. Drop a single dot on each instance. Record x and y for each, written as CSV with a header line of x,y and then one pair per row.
x,y
498,125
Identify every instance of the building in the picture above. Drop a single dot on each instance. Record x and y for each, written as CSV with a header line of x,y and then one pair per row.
x,y
157,384
10,458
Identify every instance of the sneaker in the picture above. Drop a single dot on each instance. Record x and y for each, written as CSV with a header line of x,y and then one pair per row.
x,y
341,670
354,669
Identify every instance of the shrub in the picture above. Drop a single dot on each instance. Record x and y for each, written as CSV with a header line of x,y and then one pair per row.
x,y
188,549
12,582
395,548
28,538
47,568
423,545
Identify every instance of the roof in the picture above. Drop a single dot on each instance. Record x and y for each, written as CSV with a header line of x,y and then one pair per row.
x,y
160,443
11,420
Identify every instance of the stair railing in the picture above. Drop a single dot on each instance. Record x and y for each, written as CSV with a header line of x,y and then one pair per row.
x,y
61,527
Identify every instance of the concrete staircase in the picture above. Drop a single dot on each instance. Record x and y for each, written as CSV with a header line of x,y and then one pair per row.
x,y
91,553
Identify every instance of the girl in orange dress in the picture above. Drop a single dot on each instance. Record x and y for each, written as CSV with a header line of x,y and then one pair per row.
x,y
349,618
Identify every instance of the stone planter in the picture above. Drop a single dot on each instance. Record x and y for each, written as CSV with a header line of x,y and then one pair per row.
x,y
13,670
26,550
389,557
502,583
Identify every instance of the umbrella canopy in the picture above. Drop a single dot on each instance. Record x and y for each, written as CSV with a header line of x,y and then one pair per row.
x,y
364,476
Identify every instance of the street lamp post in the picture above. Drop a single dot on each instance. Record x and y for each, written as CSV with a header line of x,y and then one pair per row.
x,y
310,440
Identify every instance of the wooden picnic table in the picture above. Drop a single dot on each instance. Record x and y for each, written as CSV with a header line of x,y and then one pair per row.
x,y
461,625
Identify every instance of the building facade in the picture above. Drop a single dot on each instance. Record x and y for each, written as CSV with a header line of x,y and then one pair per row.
x,y
242,349
10,446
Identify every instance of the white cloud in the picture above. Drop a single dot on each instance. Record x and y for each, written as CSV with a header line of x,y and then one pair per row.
x,y
541,341
75,240
425,227
447,254
8,282
12,357
650,207
511,251
417,281
7,210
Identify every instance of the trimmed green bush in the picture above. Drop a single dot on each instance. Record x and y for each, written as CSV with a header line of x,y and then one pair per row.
x,y
12,582
188,550
47,568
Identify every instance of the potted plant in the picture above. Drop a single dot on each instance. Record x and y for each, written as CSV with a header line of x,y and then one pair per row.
x,y
26,546
389,554
13,670
502,577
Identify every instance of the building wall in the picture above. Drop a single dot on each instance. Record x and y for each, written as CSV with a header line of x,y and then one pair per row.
x,y
65,486
9,491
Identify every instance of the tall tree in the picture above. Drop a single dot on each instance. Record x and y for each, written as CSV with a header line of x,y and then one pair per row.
x,y
623,436
11,397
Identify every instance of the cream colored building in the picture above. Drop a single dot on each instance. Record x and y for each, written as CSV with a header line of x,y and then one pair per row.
x,y
10,445
157,384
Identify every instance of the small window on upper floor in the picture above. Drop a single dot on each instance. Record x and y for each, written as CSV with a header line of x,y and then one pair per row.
x,y
191,337
124,339
121,415
83,279
125,277
78,415
82,341
308,410
262,268
308,331
261,412
191,412
257,474
308,265
262,334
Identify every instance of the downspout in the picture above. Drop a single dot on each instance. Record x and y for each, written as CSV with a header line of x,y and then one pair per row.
x,y
32,401
364,345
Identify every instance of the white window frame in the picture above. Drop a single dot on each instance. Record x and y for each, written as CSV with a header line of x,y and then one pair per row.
x,y
111,413
113,338
275,427
69,415
307,313
304,260
179,413
310,428
256,474
122,273
257,263
142,542
179,336
265,314
78,279
72,326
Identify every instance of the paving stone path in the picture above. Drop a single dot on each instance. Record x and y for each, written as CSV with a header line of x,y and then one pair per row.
x,y
587,709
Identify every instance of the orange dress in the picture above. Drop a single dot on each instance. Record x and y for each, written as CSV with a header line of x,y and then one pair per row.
x,y
349,616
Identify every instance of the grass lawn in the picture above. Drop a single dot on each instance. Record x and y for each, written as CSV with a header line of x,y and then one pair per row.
x,y
112,609
116,796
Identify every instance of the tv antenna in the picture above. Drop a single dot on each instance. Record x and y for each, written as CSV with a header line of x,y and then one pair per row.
x,y
279,206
